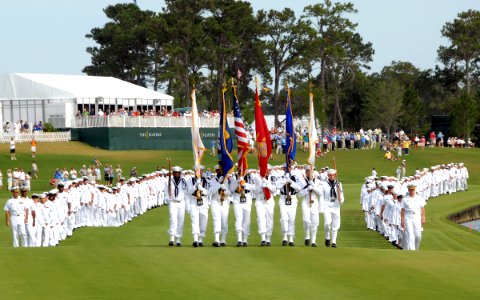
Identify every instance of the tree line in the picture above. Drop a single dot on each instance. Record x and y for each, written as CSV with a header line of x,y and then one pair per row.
x,y
206,43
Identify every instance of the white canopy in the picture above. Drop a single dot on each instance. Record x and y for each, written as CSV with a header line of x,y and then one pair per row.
x,y
22,86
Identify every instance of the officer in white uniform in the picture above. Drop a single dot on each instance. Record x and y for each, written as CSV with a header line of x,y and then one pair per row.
x,y
197,205
175,197
30,226
332,198
413,218
16,212
311,194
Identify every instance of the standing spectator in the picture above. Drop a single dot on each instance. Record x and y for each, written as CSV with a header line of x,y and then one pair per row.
x,y
98,175
57,176
83,171
133,172
73,173
34,147
119,172
34,170
432,139
440,139
1,180
12,149
9,179
6,127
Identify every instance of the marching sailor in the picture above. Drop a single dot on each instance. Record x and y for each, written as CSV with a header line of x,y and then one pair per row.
x,y
175,191
333,198
220,206
198,205
311,194
288,186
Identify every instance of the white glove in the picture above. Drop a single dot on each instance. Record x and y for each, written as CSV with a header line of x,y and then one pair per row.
x,y
223,187
310,187
310,182
289,181
167,200
204,191
264,185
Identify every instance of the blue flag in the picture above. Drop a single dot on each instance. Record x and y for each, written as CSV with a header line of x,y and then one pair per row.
x,y
291,141
226,143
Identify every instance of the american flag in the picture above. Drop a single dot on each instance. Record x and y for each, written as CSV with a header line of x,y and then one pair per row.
x,y
241,133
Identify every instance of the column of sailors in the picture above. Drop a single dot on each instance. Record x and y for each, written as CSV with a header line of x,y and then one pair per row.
x,y
46,219
195,194
395,208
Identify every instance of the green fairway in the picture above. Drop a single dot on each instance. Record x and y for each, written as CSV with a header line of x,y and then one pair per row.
x,y
134,261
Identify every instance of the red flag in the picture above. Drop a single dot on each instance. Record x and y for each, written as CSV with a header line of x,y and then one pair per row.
x,y
264,143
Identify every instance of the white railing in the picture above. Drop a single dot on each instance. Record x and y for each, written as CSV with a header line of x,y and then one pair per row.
x,y
61,136
149,121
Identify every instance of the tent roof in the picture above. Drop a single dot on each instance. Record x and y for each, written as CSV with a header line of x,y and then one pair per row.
x,y
20,86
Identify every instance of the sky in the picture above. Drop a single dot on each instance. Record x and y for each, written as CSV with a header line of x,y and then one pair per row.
x,y
48,36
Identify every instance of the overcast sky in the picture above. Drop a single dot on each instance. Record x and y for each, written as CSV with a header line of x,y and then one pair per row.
x,y
48,36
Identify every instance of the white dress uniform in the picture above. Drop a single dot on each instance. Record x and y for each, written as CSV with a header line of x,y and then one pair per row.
x,y
39,222
288,187
18,210
311,194
265,208
29,228
242,207
176,199
220,208
412,210
198,208
331,204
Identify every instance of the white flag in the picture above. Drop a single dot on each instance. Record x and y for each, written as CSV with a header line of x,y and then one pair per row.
x,y
197,144
312,134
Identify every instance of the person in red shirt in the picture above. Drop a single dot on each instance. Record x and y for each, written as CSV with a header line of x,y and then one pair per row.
x,y
432,139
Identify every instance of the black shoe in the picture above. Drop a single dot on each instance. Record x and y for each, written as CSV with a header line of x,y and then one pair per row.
x,y
314,244
262,244
327,243
239,244
245,244
284,243
291,244
269,244
307,242
195,244
200,244
179,244
334,245
223,245
394,243
170,243
215,244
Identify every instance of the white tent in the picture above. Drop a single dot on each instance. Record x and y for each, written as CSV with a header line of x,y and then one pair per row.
x,y
48,97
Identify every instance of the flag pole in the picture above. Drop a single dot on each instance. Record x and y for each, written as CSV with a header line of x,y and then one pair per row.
x,y
336,178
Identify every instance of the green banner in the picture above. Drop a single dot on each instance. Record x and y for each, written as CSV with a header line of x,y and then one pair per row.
x,y
144,138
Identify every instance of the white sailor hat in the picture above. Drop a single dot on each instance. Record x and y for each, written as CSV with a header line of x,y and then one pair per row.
x,y
132,179
176,169
43,195
53,192
217,167
331,172
411,186
306,167
35,196
200,167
